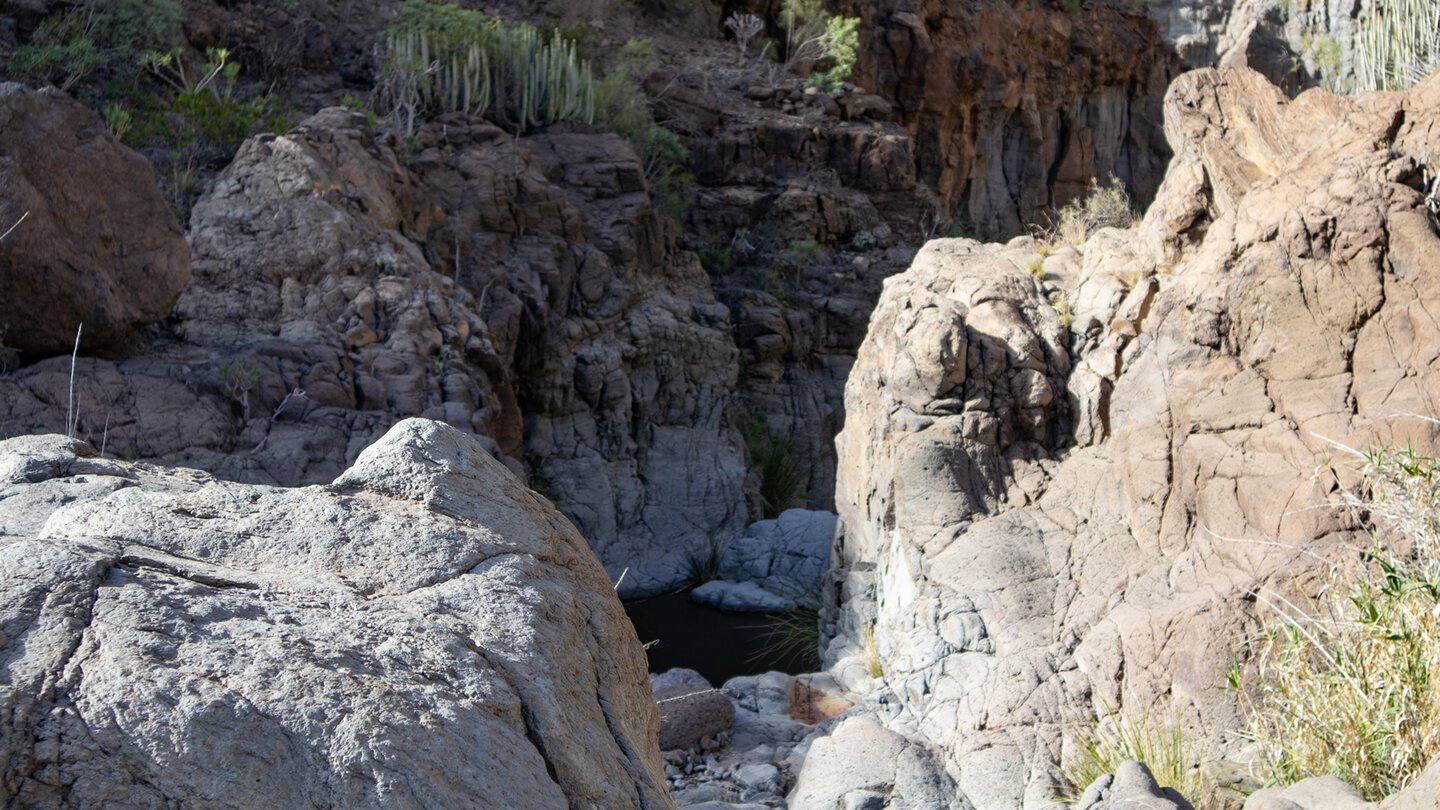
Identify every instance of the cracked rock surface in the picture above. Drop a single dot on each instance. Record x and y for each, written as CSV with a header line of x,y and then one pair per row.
x,y
1068,496
423,632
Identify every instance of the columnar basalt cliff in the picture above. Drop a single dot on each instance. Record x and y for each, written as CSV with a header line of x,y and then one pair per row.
x,y
1045,519
1014,107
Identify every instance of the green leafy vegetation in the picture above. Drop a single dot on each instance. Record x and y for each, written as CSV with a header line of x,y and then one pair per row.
x,y
127,59
1349,684
97,37
1398,44
239,377
816,37
195,123
782,481
442,58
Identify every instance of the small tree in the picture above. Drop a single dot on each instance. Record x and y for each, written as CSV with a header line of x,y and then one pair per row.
x,y
812,35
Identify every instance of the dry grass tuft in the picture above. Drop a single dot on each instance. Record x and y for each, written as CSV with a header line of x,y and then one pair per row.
x,y
1158,741
1350,684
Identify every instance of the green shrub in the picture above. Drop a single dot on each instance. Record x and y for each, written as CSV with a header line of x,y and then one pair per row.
x,y
441,58
814,36
1350,684
194,123
97,35
782,481
1398,44
239,377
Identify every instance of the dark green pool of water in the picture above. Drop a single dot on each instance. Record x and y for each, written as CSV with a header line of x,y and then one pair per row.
x,y
716,643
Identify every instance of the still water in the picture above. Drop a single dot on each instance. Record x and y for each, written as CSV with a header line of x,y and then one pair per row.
x,y
716,643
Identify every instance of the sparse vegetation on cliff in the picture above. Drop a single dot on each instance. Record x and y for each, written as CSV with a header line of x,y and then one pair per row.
x,y
1107,206
1350,684
782,482
442,58
813,36
97,37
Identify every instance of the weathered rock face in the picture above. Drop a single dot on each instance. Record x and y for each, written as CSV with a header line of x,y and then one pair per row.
x,y
863,764
520,290
1295,43
98,245
1013,108
1025,556
422,632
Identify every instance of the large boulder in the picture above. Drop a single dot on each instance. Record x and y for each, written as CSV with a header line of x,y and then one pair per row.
x,y
1060,497
98,245
423,632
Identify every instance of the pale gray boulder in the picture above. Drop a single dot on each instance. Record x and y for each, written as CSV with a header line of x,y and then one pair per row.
x,y
1316,793
740,597
863,764
779,564
1131,787
423,632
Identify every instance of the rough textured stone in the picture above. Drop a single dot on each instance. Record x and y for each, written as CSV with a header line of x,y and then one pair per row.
x,y
98,245
1315,793
1043,520
1422,794
690,708
778,565
522,290
422,632
1131,787
862,762
1012,109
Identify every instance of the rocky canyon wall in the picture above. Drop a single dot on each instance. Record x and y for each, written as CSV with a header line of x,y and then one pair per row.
x,y
1063,497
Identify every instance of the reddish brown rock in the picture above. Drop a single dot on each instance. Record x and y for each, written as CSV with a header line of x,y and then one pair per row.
x,y
98,245
1013,107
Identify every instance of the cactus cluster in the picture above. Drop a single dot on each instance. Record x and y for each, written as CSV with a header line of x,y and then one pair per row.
x,y
508,73
1398,44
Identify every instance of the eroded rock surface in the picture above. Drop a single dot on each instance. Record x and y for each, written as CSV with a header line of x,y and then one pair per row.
x,y
1051,509
422,632
522,290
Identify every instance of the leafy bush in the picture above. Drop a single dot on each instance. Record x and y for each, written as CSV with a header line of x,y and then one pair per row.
x,y
194,123
1398,44
1350,685
812,35
441,58
97,35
